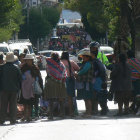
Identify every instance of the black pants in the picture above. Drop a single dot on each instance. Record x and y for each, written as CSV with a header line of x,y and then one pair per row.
x,y
8,99
103,105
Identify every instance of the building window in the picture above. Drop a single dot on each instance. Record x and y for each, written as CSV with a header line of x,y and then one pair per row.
x,y
34,3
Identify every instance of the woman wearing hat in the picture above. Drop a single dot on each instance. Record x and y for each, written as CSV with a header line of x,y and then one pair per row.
x,y
30,73
84,81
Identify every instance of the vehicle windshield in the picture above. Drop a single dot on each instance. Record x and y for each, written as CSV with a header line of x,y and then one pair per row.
x,y
47,54
30,49
108,52
3,49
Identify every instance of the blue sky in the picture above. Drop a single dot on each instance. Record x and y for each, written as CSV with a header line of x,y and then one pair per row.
x,y
68,15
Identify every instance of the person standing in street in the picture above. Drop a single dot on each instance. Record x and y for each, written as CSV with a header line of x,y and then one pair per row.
x,y
121,84
11,84
95,46
84,79
71,67
30,73
100,77
1,64
55,89
134,64
21,59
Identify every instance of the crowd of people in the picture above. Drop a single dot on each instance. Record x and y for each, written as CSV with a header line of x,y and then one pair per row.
x,y
69,39
23,82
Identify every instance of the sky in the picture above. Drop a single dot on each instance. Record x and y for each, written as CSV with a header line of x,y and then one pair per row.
x,y
68,15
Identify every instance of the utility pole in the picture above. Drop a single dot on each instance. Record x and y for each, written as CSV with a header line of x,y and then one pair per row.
x,y
28,6
107,38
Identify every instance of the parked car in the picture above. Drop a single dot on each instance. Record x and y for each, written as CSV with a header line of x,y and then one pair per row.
x,y
20,45
48,53
4,47
108,51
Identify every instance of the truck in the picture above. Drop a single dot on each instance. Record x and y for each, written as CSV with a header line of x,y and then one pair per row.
x,y
20,45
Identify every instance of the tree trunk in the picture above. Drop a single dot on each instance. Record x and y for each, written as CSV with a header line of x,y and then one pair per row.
x,y
137,42
136,9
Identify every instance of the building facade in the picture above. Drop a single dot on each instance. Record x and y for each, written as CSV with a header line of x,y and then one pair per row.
x,y
34,3
50,2
31,3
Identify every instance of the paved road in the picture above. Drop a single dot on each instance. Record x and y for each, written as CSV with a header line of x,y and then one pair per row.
x,y
96,128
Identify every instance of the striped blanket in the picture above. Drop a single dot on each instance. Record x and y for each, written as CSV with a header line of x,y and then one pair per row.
x,y
56,70
135,67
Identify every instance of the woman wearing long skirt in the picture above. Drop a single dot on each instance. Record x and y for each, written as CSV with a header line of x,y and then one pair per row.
x,y
121,84
30,73
71,67
55,89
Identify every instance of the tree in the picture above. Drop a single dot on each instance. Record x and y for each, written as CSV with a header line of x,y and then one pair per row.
x,y
41,21
94,18
135,16
10,18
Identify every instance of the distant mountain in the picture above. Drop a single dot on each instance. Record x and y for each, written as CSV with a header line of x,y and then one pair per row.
x,y
69,15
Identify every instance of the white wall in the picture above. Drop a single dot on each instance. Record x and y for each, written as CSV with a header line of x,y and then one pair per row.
x,y
51,0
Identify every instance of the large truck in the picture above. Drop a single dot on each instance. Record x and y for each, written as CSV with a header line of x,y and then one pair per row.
x,y
21,45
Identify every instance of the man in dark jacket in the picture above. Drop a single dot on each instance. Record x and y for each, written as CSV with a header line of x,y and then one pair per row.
x,y
1,64
11,83
100,74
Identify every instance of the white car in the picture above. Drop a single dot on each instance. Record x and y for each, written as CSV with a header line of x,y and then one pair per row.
x,y
4,47
48,53
20,45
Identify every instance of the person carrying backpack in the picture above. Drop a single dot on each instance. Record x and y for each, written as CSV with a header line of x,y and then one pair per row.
x,y
100,77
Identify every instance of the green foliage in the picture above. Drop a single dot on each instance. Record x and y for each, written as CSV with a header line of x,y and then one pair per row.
x,y
10,18
112,10
5,7
98,16
52,15
41,21
94,18
39,27
5,34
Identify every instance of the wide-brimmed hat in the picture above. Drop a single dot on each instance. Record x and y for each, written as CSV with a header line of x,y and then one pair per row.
x,y
83,52
10,57
29,57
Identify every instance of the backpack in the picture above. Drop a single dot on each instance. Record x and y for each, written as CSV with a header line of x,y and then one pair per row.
x,y
100,69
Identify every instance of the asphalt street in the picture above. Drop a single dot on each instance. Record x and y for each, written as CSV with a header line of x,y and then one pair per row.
x,y
95,128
